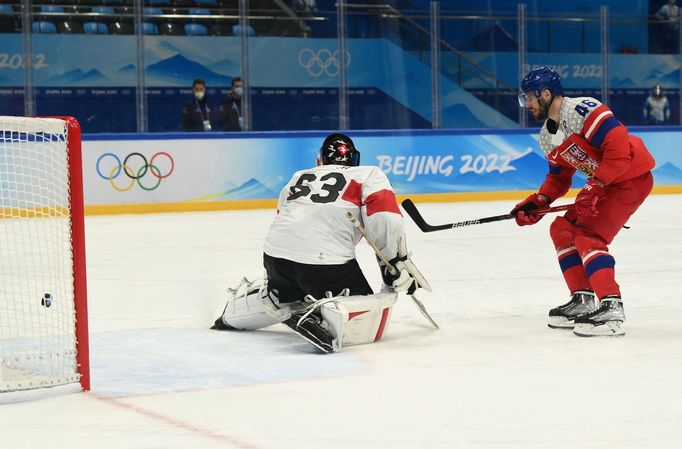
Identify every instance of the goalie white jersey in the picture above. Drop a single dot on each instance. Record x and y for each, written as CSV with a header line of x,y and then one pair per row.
x,y
311,226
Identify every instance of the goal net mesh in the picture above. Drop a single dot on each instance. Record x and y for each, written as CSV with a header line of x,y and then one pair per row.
x,y
37,309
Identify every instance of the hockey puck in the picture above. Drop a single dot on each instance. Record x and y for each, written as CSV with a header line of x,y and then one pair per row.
x,y
46,300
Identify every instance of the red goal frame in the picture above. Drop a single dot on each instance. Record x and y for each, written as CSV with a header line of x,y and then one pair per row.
x,y
77,214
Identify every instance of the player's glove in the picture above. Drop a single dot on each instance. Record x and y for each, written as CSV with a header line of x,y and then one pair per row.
x,y
402,281
586,201
526,211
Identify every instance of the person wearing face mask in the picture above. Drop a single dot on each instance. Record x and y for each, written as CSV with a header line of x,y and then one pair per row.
x,y
656,107
231,107
196,114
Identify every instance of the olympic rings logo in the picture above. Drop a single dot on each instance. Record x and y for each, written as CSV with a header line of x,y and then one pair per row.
x,y
135,167
322,61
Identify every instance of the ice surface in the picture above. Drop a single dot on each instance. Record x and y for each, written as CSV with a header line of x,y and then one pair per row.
x,y
494,376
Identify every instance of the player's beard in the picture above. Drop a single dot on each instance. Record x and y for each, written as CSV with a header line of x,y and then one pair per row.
x,y
542,115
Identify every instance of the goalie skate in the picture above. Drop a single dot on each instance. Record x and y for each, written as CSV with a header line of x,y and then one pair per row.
x,y
311,326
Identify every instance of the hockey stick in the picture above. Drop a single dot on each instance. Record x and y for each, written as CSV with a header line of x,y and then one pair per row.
x,y
389,266
414,214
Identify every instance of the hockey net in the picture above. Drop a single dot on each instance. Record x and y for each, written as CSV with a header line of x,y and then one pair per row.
x,y
43,311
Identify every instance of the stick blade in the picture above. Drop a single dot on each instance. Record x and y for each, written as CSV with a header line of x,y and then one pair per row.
x,y
414,214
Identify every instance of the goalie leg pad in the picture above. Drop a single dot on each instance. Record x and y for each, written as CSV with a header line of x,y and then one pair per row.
x,y
250,307
357,320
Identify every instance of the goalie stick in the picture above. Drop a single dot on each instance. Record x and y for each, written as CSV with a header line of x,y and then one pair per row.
x,y
414,214
390,267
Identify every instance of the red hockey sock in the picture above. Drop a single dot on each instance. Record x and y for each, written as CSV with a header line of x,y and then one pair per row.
x,y
599,266
572,269
563,234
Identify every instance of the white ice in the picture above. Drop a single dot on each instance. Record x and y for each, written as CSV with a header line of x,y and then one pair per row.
x,y
493,376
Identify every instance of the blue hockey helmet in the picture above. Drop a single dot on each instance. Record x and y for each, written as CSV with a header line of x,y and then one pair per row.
x,y
339,149
538,80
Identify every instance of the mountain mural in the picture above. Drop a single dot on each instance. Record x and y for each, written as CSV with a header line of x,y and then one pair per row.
x,y
78,77
667,174
251,189
181,70
127,69
225,67
671,79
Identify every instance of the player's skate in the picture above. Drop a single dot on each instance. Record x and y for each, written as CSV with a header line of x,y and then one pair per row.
x,y
563,317
607,320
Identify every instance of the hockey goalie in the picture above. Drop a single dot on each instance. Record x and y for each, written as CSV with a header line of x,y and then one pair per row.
x,y
313,283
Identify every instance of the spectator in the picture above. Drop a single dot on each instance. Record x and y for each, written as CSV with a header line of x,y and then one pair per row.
x,y
670,15
656,107
231,107
196,115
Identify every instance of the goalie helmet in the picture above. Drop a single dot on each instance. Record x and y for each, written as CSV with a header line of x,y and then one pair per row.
x,y
339,149
538,80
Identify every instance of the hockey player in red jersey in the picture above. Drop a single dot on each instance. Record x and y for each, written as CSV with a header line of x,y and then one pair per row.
x,y
581,134
313,282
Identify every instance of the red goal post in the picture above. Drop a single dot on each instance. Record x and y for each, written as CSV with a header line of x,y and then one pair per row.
x,y
43,290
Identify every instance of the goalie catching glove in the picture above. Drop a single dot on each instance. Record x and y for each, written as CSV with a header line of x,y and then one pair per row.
x,y
406,277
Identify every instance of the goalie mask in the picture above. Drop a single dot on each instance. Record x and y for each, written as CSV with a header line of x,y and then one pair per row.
x,y
339,149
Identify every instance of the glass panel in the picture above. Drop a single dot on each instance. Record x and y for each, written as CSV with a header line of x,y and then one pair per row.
x,y
480,64
570,43
82,60
294,79
643,69
186,42
85,61
389,68
11,59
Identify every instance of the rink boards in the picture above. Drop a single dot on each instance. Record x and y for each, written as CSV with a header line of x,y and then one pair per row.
x,y
138,173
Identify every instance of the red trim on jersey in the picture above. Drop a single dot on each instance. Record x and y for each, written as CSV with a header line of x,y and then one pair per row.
x,y
353,193
382,324
591,119
352,315
382,201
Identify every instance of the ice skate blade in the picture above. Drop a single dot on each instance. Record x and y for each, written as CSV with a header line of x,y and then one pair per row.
x,y
560,322
609,329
